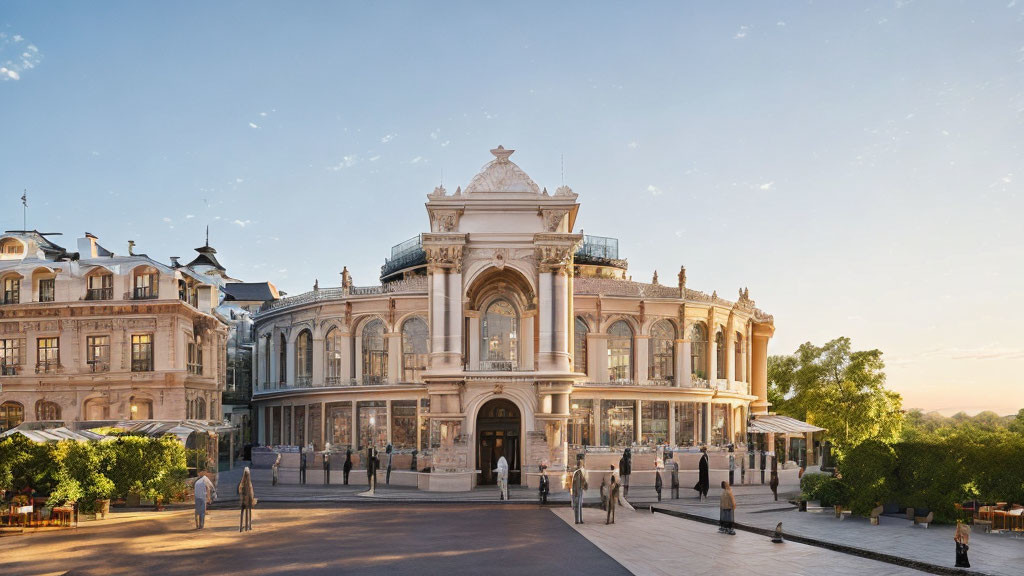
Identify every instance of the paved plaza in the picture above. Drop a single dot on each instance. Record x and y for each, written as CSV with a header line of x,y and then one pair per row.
x,y
370,539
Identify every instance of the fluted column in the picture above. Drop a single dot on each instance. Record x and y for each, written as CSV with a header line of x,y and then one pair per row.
x,y
759,374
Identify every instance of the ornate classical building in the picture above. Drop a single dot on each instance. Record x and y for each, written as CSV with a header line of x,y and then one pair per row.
x,y
501,331
97,336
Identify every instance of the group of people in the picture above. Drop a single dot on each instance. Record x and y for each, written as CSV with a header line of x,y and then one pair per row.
x,y
372,465
205,492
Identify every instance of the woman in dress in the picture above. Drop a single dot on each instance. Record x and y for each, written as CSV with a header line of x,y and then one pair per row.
x,y
961,536
247,496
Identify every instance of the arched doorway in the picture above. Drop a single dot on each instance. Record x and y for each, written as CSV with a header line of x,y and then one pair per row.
x,y
498,434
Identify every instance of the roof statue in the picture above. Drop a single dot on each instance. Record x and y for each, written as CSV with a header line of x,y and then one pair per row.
x,y
501,175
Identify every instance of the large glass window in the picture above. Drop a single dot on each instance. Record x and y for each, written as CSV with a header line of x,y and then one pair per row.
x,y
499,337
146,282
11,415
339,424
375,353
699,350
618,422
719,424
373,424
720,355
304,358
101,287
316,427
579,356
12,290
47,354
620,352
332,354
10,356
300,425
47,290
687,419
653,422
142,352
414,349
403,423
661,348
282,361
581,422
97,353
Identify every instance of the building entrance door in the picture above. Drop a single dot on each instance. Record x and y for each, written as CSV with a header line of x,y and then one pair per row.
x,y
498,434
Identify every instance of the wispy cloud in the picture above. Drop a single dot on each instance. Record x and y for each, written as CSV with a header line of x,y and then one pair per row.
x,y
16,57
387,138
987,352
253,125
633,145
654,190
767,186
346,162
417,160
189,216
741,33
241,223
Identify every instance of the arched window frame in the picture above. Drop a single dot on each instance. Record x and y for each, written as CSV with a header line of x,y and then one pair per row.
x,y
99,284
10,288
415,348
145,283
304,358
620,352
11,414
332,356
375,352
579,350
699,350
720,355
498,352
661,352
47,410
282,361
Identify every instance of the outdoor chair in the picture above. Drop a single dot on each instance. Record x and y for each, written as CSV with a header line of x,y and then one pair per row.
x,y
924,520
64,515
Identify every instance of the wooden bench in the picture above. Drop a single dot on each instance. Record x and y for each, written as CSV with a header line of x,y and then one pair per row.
x,y
924,520
876,514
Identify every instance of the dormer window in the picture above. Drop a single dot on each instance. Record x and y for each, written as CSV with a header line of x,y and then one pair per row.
x,y
12,289
11,249
101,287
145,283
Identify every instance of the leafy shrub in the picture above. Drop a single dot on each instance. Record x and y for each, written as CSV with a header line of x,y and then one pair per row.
x,y
810,485
80,475
869,470
834,492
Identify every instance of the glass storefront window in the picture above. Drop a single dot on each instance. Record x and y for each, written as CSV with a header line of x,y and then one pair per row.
x,y
373,424
581,422
300,425
339,424
686,423
618,422
499,337
403,424
316,427
719,424
653,422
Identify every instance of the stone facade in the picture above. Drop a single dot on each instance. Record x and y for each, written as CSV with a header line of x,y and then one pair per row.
x,y
508,341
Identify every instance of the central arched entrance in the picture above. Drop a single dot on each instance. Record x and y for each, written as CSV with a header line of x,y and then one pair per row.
x,y
498,434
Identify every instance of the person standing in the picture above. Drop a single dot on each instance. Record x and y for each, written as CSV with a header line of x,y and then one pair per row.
x,y
545,487
774,484
327,467
703,481
302,466
348,464
387,477
727,510
961,537
604,494
613,498
203,490
502,471
371,468
247,497
764,463
275,468
625,469
657,483
673,473
577,486
732,466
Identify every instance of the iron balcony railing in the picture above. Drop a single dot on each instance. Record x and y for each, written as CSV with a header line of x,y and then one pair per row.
x,y
498,366
404,255
144,293
599,247
97,366
8,370
329,382
99,294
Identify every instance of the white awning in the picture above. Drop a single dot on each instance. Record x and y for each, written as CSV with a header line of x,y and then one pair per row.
x,y
781,425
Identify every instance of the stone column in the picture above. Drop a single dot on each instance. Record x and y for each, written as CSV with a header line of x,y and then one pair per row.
x,y
638,425
348,369
394,347
526,330
545,319
671,423
759,372
474,342
600,355
355,427
680,365
707,423
290,363
730,353
641,358
318,361
453,300
438,318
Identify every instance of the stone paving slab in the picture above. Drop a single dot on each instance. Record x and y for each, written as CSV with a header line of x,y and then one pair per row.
x,y
661,545
995,554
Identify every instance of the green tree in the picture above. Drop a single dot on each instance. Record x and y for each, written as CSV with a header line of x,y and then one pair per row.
x,y
838,389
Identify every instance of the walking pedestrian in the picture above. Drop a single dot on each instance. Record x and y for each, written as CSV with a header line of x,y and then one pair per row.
x,y
703,482
502,471
203,490
275,468
577,486
348,464
673,473
625,469
727,510
371,468
613,497
327,467
961,537
774,484
387,477
732,466
657,483
247,497
302,466
764,463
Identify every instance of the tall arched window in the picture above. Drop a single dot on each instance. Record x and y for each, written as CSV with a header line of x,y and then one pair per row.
x,y
332,355
375,353
499,337
11,289
200,409
99,285
145,283
720,355
661,349
579,350
699,350
11,415
46,410
738,367
266,361
620,352
304,358
282,361
414,348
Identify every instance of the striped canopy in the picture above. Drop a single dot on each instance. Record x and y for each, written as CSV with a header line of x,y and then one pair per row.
x,y
776,424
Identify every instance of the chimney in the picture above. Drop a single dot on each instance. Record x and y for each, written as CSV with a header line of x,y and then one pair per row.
x,y
174,262
87,246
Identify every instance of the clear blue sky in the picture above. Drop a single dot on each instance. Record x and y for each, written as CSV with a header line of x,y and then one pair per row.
x,y
857,165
